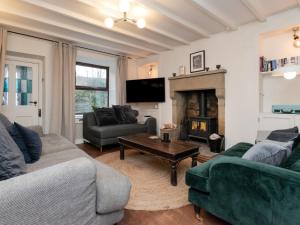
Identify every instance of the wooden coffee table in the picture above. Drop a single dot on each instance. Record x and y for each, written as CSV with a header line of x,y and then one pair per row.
x,y
173,152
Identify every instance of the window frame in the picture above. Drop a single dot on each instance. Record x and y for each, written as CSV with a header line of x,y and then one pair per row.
x,y
89,88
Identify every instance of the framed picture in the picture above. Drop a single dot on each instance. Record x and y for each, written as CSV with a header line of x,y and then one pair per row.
x,y
197,61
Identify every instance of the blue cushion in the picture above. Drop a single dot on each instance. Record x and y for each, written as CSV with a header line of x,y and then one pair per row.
x,y
18,138
32,141
270,152
11,158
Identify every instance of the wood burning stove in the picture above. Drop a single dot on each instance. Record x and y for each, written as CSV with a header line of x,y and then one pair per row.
x,y
202,126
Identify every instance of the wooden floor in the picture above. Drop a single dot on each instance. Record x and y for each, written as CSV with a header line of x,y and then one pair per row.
x,y
181,216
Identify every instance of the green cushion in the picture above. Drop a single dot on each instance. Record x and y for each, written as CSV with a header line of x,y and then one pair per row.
x,y
238,150
197,177
294,157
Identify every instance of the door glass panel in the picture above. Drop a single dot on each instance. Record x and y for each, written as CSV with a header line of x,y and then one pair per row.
x,y
5,86
23,85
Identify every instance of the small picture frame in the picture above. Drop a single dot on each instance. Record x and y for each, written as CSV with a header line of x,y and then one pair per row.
x,y
197,61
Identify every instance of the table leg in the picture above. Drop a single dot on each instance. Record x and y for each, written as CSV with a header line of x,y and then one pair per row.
x,y
194,160
174,173
122,147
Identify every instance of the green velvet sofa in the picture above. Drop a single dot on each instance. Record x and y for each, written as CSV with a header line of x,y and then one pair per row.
x,y
244,192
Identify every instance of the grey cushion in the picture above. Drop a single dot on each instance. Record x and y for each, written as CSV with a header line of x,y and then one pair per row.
x,y
270,152
54,143
56,158
3,119
12,162
117,130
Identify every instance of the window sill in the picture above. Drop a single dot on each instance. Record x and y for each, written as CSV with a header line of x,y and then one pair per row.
x,y
78,119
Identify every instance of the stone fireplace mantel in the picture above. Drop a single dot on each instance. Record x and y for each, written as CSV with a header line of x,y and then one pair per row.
x,y
214,79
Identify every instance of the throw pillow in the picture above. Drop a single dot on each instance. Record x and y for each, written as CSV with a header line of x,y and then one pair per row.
x,y
289,130
18,138
5,122
105,116
284,137
120,112
32,141
130,116
11,158
125,114
269,152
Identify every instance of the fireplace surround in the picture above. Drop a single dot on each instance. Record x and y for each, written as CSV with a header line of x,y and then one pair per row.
x,y
199,82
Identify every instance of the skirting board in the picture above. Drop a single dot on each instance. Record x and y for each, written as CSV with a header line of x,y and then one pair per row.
x,y
78,141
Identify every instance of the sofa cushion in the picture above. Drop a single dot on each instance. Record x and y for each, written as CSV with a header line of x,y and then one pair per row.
x,y
105,116
237,150
55,158
5,122
117,130
12,161
125,114
270,152
295,166
32,141
55,143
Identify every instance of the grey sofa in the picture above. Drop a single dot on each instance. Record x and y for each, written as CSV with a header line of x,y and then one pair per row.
x,y
105,135
65,187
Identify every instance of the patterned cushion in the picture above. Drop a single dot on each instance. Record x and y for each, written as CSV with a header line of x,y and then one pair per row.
x,y
12,162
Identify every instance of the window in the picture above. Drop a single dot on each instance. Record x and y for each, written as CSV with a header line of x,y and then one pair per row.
x,y
92,83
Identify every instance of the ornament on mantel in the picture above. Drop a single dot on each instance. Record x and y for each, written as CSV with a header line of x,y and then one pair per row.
x,y
181,70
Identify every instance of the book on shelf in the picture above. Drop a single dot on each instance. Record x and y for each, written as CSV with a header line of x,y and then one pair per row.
x,y
266,65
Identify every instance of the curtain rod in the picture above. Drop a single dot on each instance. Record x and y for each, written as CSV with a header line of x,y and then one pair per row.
x,y
45,39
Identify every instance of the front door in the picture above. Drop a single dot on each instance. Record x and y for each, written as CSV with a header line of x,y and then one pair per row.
x,y
21,92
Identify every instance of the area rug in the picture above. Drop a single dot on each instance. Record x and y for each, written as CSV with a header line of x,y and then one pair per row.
x,y
150,178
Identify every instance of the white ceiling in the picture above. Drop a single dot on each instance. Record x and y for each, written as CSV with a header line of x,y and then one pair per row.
x,y
170,23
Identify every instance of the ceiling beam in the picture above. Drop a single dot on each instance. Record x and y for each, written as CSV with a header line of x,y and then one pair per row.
x,y
166,12
94,22
93,3
64,37
255,10
36,18
216,14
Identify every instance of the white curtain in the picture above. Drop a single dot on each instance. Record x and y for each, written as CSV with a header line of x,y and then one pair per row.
x,y
63,91
122,74
3,40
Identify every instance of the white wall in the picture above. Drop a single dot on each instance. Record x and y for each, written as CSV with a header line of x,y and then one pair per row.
x,y
238,52
28,45
277,90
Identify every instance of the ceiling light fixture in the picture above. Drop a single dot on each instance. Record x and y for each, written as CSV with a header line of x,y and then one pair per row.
x,y
296,38
289,71
124,6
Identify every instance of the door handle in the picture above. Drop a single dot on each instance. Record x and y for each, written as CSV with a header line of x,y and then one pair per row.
x,y
35,102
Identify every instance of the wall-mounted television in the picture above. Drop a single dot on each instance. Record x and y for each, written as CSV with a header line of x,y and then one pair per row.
x,y
145,90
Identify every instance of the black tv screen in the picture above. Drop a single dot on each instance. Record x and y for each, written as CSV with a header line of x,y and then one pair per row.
x,y
145,90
